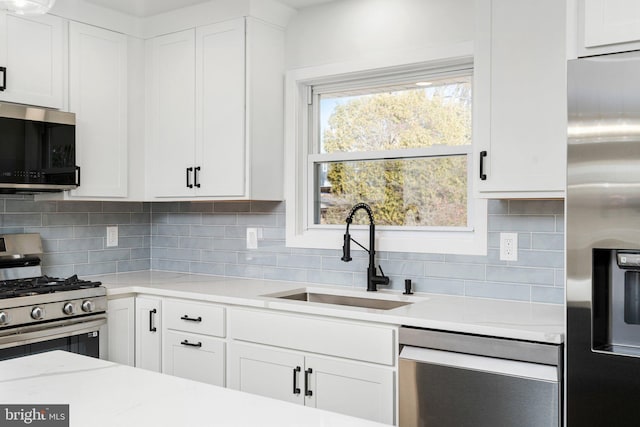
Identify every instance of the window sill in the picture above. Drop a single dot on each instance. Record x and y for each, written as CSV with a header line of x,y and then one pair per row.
x,y
463,242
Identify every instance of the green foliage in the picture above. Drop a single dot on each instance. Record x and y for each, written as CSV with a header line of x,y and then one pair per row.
x,y
418,191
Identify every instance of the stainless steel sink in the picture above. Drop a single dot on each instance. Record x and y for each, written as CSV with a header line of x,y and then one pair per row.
x,y
379,304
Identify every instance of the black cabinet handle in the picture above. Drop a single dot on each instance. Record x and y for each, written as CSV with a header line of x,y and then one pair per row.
x,y
296,389
3,70
151,327
78,176
190,344
307,391
195,176
191,319
483,176
189,184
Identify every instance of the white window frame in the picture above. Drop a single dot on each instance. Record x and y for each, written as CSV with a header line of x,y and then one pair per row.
x,y
300,230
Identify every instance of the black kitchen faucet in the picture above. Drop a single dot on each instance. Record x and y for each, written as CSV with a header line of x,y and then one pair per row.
x,y
373,280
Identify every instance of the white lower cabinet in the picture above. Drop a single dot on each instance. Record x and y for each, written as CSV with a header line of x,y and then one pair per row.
x,y
192,344
149,333
342,386
336,365
120,330
192,356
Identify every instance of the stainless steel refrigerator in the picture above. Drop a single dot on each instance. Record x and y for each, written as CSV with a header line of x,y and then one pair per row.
x,y
603,242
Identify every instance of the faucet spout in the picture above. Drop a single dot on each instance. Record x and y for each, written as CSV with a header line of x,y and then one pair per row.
x,y
373,280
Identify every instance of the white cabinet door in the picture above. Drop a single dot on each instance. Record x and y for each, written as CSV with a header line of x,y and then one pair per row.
x,y
98,96
171,106
192,356
350,388
522,64
120,330
214,97
266,371
347,387
220,109
31,49
609,22
148,333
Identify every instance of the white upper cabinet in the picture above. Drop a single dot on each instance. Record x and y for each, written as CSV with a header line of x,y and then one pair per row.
x,y
215,112
98,97
31,51
171,113
220,101
520,96
607,26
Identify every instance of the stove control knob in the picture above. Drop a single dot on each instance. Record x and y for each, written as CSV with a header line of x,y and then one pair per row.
x,y
67,308
37,313
87,306
4,318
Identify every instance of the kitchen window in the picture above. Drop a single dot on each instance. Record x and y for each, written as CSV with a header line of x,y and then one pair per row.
x,y
399,139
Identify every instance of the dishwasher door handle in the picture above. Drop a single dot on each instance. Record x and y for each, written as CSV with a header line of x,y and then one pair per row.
x,y
493,365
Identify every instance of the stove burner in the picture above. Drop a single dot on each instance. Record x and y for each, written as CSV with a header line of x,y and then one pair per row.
x,y
42,285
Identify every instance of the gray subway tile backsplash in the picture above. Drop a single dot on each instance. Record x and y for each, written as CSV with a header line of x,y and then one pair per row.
x,y
210,238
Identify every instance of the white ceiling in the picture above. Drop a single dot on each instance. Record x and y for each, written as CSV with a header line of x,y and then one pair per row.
x,y
142,8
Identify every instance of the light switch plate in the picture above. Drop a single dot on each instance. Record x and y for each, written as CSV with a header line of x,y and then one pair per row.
x,y
112,236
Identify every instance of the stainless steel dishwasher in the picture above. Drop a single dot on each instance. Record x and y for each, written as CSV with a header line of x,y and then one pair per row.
x,y
450,379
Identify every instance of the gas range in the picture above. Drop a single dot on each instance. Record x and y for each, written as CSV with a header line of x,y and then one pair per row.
x,y
28,298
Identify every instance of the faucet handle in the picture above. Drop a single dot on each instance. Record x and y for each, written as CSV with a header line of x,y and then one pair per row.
x,y
381,272
385,279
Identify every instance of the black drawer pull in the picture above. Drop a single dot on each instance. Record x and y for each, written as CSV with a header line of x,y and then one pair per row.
x,y
191,319
190,344
307,391
296,389
152,328
483,176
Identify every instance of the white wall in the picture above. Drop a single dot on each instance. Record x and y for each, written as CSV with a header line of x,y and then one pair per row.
x,y
351,30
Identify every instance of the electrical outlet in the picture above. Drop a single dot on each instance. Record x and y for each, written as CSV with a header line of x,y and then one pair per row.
x,y
112,236
508,246
252,238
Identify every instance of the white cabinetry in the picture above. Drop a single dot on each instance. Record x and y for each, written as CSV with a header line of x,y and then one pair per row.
x,y
31,50
520,96
148,333
607,26
304,359
215,112
98,96
336,385
171,106
120,330
192,346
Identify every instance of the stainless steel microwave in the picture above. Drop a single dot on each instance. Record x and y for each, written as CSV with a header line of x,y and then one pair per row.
x,y
37,150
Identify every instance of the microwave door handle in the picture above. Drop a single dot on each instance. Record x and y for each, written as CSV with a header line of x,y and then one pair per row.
x,y
3,70
78,176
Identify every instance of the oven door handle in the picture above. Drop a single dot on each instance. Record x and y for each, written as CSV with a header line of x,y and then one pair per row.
x,y
53,330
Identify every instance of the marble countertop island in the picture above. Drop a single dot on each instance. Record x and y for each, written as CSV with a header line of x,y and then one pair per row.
x,y
101,393
507,319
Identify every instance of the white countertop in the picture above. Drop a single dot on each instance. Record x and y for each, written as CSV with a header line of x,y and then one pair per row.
x,y
508,319
101,393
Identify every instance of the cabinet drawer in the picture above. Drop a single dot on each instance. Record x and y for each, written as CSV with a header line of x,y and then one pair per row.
x,y
194,317
370,343
195,357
